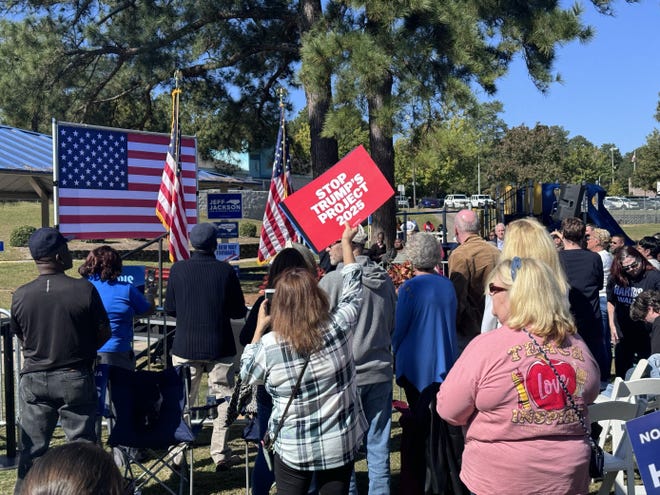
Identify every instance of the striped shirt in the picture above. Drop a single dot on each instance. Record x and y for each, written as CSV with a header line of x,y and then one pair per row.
x,y
324,425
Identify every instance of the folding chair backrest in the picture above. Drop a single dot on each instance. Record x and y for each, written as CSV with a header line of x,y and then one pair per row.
x,y
619,458
647,389
149,408
613,410
613,415
639,370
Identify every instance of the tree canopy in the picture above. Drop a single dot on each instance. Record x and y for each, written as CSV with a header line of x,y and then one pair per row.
x,y
364,67
110,63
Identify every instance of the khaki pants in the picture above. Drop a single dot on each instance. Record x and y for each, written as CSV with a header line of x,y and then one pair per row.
x,y
221,385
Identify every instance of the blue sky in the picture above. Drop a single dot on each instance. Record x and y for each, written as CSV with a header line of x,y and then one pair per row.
x,y
610,85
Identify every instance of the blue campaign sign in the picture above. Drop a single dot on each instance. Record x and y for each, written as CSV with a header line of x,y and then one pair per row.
x,y
228,251
134,275
228,205
227,230
644,433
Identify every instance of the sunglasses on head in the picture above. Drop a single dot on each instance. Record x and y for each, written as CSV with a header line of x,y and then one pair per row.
x,y
631,266
495,289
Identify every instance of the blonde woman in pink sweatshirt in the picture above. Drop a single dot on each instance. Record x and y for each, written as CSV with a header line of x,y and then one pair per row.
x,y
521,433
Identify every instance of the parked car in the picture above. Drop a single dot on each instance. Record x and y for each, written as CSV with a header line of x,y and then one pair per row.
x,y
481,200
430,203
619,202
651,203
611,204
631,203
457,201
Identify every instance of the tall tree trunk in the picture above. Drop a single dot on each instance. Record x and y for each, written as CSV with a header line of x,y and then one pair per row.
x,y
324,151
381,142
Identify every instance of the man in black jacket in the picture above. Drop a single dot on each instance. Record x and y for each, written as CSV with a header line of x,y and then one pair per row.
x,y
60,322
203,294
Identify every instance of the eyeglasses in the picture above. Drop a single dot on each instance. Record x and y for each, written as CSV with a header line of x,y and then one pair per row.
x,y
631,266
495,289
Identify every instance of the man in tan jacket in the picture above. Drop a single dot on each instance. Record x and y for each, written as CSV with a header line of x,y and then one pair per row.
x,y
469,266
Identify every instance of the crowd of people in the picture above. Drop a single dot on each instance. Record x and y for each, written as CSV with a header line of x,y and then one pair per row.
x,y
518,323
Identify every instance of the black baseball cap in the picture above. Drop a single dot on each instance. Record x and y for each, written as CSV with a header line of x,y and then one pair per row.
x,y
45,242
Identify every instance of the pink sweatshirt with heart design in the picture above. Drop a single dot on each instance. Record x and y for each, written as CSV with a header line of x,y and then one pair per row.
x,y
521,434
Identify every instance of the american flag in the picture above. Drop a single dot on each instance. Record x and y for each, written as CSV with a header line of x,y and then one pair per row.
x,y
108,181
169,208
276,228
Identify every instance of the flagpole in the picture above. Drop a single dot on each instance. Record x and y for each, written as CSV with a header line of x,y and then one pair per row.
x,y
175,117
170,207
277,229
281,92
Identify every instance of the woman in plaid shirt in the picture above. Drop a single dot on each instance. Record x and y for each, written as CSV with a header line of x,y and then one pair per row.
x,y
324,425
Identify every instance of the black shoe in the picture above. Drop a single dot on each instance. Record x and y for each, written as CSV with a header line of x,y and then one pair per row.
x,y
227,464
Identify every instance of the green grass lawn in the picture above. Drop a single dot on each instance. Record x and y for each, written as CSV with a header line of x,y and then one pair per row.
x,y
232,482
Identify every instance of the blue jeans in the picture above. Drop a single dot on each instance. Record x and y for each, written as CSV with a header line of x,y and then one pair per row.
x,y
377,406
45,396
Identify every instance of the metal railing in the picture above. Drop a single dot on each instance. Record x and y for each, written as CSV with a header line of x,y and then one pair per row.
x,y
10,365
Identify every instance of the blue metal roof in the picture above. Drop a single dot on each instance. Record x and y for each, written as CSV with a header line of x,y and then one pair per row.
x,y
25,151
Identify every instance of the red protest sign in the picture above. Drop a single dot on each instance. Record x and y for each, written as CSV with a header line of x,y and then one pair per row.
x,y
349,192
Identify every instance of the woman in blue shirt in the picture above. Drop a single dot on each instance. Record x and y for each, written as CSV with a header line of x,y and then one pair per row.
x,y
122,302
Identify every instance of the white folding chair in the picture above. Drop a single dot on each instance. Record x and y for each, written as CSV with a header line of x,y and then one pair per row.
x,y
620,458
645,394
646,389
638,372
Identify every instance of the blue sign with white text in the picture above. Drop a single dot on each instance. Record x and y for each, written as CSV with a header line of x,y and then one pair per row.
x,y
644,434
134,275
227,205
227,230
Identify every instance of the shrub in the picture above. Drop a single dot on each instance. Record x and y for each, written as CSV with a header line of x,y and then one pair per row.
x,y
20,236
247,229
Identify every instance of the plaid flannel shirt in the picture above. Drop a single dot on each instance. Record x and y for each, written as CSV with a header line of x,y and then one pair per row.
x,y
324,425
